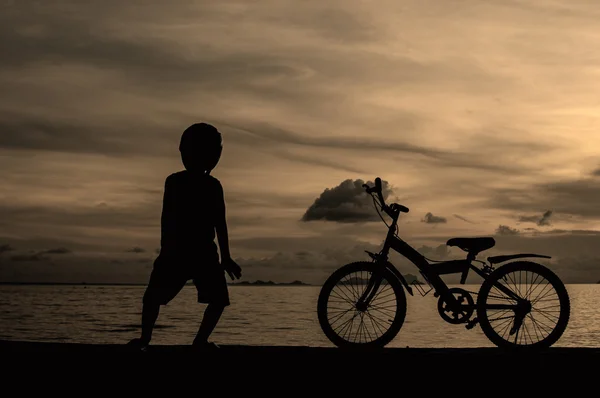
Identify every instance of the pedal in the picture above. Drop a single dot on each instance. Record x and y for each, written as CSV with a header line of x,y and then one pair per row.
x,y
471,324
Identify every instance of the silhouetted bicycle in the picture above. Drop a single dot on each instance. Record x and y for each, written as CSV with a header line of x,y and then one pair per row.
x,y
507,300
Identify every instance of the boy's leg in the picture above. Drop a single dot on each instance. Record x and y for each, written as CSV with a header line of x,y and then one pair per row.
x,y
150,313
162,288
212,290
211,317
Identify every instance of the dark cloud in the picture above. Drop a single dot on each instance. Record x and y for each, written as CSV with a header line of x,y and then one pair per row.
x,y
345,203
464,219
577,198
574,253
147,215
57,244
307,259
506,230
4,248
267,134
293,244
136,249
311,265
42,133
75,269
329,21
544,220
431,219
83,35
65,38
318,161
440,252
58,250
533,219
35,257
38,255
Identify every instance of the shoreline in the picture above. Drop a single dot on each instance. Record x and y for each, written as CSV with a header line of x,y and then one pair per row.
x,y
35,346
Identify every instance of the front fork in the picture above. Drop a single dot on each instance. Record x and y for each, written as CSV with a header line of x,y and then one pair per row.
x,y
379,267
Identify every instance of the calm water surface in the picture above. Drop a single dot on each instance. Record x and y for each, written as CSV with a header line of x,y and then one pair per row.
x,y
270,315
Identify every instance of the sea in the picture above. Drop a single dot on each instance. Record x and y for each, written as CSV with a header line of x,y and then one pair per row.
x,y
258,315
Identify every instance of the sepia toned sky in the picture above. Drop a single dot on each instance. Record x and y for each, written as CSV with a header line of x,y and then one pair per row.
x,y
482,118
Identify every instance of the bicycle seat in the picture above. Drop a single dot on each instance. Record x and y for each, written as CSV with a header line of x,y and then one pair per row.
x,y
472,245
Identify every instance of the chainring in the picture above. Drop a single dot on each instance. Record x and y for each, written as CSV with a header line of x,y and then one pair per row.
x,y
464,313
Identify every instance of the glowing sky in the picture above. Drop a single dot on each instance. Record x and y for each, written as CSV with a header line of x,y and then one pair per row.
x,y
481,116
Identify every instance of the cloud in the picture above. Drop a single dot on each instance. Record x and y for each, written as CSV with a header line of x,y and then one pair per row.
x,y
541,221
49,216
5,248
268,134
345,203
136,249
53,134
569,197
35,257
440,252
574,252
431,219
313,264
315,90
506,230
463,219
58,250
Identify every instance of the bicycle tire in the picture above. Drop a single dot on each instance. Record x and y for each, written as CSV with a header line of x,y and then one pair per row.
x,y
325,295
553,280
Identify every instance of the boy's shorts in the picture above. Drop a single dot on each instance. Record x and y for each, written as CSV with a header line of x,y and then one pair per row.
x,y
170,275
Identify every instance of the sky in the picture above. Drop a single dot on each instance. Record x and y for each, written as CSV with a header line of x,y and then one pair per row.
x,y
480,117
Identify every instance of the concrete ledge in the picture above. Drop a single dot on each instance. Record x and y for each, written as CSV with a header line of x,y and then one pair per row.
x,y
310,367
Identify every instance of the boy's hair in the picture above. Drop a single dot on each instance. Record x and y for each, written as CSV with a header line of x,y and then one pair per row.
x,y
200,136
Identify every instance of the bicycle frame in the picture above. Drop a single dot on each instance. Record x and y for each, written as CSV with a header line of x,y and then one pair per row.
x,y
430,271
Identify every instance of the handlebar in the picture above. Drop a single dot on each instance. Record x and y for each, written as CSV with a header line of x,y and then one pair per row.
x,y
389,210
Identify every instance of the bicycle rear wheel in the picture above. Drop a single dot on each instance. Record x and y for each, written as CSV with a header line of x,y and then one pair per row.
x,y
545,297
344,324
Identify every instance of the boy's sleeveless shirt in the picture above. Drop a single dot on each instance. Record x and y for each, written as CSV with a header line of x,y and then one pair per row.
x,y
191,205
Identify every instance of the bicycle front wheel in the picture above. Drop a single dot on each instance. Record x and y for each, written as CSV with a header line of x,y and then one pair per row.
x,y
347,326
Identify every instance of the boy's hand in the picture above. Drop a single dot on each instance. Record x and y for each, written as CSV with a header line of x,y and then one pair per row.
x,y
232,268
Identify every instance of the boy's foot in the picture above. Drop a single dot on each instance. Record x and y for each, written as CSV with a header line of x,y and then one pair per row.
x,y
138,344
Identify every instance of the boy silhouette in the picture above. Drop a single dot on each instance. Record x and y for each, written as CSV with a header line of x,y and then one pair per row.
x,y
193,213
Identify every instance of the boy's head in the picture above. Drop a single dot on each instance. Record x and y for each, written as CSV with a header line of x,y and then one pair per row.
x,y
201,147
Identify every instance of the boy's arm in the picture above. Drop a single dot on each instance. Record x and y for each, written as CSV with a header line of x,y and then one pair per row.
x,y
166,221
221,225
230,266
